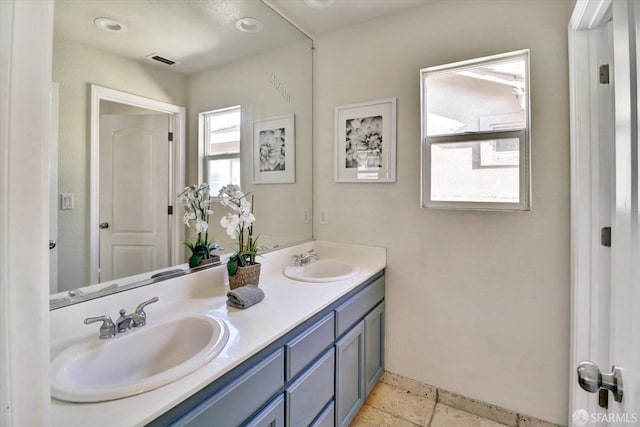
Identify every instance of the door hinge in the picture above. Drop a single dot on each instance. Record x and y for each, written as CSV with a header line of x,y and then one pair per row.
x,y
605,237
604,74
170,136
170,210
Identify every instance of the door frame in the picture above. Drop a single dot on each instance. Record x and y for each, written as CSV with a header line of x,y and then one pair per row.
x,y
53,188
587,308
26,40
176,159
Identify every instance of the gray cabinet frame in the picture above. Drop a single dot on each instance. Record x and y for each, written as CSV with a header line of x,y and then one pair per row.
x,y
307,342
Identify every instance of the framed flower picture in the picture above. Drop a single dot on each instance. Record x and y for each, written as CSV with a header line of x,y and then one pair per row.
x,y
365,148
274,155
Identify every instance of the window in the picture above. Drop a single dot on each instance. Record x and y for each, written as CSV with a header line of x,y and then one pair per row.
x,y
475,134
220,147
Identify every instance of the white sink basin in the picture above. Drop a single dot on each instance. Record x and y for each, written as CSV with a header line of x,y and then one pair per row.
x,y
325,270
136,361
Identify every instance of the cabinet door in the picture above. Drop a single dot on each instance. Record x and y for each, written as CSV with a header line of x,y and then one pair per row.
x,y
374,346
271,416
350,381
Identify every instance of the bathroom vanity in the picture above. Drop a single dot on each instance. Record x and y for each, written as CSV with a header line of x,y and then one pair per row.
x,y
308,354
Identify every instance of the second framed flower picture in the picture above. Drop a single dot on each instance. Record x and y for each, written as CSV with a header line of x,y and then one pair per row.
x,y
366,142
274,155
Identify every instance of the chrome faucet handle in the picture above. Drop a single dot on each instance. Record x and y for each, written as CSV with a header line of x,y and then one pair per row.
x,y
139,317
108,328
305,258
123,324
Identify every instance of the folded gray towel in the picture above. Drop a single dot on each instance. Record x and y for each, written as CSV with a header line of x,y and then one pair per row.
x,y
245,296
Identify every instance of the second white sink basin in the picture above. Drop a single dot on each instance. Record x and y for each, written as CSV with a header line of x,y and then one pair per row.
x,y
137,361
325,270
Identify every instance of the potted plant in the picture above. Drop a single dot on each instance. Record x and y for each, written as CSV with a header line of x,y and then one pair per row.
x,y
197,202
241,266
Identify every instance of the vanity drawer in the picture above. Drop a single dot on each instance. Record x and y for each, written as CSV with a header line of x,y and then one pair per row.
x,y
304,348
354,309
326,418
309,394
271,416
237,401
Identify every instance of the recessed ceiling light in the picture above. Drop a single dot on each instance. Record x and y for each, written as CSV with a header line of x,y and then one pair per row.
x,y
249,25
109,24
319,4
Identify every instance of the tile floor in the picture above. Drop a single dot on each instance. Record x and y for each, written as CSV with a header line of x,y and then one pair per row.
x,y
391,406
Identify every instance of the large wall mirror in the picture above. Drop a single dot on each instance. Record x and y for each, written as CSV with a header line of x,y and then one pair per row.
x,y
133,83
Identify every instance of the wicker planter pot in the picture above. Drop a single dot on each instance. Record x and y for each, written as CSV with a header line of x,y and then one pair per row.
x,y
249,275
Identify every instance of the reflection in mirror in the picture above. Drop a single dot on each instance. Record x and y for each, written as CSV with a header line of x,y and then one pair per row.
x,y
133,193
137,163
220,146
216,67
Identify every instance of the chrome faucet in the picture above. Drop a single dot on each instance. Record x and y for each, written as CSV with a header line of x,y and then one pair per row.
x,y
305,259
109,329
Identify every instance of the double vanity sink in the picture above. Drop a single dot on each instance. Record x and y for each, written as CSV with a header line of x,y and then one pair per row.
x,y
192,337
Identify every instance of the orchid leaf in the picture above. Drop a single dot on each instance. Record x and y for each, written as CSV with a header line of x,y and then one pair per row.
x,y
232,266
195,260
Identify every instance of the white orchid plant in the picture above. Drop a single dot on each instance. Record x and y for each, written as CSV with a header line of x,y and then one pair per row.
x,y
239,225
197,203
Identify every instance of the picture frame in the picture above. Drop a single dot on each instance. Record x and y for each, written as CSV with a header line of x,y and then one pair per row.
x,y
274,155
365,142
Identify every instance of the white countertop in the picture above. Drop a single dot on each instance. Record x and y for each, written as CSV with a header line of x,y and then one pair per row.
x,y
287,304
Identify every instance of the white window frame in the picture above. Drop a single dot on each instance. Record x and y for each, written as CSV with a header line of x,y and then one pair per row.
x,y
522,134
203,131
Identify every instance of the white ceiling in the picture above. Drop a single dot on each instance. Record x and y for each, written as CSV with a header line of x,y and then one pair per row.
x,y
201,34
341,13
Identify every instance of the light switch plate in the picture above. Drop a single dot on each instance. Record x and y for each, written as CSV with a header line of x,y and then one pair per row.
x,y
66,201
324,217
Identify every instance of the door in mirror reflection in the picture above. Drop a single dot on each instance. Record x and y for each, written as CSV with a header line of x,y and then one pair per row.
x,y
134,191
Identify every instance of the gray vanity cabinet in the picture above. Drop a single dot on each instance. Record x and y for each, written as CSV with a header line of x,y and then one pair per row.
x,y
359,364
317,375
359,351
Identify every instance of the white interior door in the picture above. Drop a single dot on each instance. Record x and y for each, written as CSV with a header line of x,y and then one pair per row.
x,y
134,188
625,266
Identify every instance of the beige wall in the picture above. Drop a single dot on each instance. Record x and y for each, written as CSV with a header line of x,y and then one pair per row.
x,y
477,302
75,67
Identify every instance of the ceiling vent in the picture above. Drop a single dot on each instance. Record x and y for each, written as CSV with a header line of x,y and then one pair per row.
x,y
162,59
